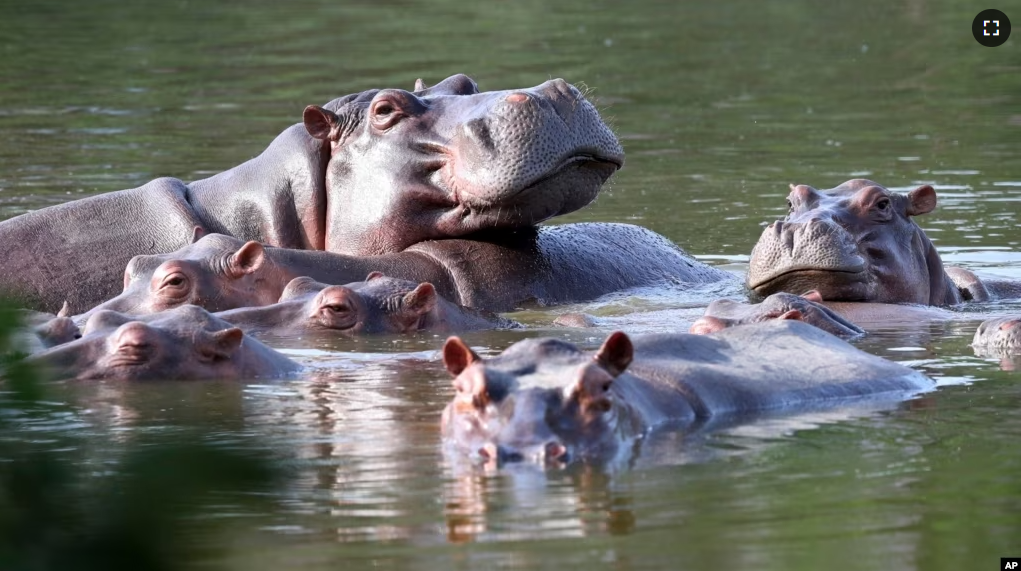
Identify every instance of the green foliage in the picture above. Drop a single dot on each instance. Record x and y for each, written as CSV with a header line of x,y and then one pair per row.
x,y
59,513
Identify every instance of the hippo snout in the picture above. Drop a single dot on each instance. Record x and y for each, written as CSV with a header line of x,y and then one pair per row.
x,y
133,343
551,452
786,251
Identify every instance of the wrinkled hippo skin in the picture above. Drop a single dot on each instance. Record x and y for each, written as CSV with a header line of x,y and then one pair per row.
x,y
186,343
857,242
369,173
380,304
724,313
545,266
544,400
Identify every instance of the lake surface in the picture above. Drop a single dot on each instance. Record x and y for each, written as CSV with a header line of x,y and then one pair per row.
x,y
720,105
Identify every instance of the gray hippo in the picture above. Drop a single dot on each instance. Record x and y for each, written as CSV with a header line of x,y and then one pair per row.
x,y
1000,337
808,307
544,266
544,399
183,343
380,304
371,173
44,330
858,243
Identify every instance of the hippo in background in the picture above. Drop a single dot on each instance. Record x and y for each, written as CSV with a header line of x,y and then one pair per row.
x,y
544,266
545,400
186,343
366,174
858,243
380,304
1000,337
809,308
41,330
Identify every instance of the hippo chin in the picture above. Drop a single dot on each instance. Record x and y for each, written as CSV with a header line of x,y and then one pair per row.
x,y
185,343
858,243
368,173
544,400
378,305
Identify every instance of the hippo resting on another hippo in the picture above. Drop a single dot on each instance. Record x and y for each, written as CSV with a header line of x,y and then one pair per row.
x,y
184,343
543,399
380,172
857,243
724,313
379,304
549,265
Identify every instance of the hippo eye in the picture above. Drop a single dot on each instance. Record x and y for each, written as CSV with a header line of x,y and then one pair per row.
x,y
175,280
385,113
883,204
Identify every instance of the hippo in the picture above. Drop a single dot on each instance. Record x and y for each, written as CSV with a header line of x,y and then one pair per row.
x,y
724,313
44,330
858,243
1000,337
548,401
544,266
186,343
369,173
380,304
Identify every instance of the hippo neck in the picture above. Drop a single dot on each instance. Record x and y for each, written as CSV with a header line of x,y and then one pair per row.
x,y
652,400
449,316
942,290
278,198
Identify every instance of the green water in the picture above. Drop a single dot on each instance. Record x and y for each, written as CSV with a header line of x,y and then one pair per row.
x,y
719,105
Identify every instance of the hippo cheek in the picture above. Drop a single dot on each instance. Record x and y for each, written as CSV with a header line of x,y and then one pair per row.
x,y
832,285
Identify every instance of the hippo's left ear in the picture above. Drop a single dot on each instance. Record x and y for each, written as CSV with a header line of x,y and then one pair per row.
x,y
373,275
421,300
921,200
420,85
247,259
457,356
321,123
65,310
223,343
616,353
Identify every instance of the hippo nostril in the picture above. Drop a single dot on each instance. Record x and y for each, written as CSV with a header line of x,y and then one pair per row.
x,y
555,451
517,98
490,451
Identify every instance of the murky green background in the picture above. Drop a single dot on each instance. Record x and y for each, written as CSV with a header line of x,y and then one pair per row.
x,y
720,105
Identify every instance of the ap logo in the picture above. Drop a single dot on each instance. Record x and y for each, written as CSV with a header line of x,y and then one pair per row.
x,y
1010,563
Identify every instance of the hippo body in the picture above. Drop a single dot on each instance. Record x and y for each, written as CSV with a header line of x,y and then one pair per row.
x,y
497,272
186,343
543,399
857,243
370,173
380,304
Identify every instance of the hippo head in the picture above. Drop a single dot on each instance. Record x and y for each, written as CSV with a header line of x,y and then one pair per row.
x,y
380,304
215,272
541,400
855,242
448,160
184,343
1002,334
808,307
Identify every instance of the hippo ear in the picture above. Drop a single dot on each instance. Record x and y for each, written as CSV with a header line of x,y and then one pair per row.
x,y
373,275
422,299
65,310
247,259
592,390
420,85
921,200
813,295
321,123
707,324
223,343
793,314
616,353
197,233
457,356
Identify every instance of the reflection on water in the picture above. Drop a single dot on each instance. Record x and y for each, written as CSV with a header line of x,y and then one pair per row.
x,y
720,106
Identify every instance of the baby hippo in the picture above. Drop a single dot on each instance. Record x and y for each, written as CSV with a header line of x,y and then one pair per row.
x,y
182,343
547,401
45,330
380,304
724,313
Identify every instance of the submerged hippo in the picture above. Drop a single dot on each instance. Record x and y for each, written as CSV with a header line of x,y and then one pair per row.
x,y
857,242
544,399
1000,337
368,173
44,330
183,343
380,304
545,266
724,313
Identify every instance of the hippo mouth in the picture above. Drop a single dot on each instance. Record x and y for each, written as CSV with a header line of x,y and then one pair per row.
x,y
838,284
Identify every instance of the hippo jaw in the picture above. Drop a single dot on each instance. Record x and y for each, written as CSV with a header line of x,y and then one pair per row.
x,y
448,161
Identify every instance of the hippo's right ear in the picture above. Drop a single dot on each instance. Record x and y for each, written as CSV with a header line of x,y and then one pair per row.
x,y
921,200
813,295
197,233
247,259
616,353
373,276
457,356
321,123
222,344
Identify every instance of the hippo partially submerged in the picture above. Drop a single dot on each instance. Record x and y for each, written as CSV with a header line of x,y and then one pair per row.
x,y
185,343
544,399
857,242
724,313
380,304
368,173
